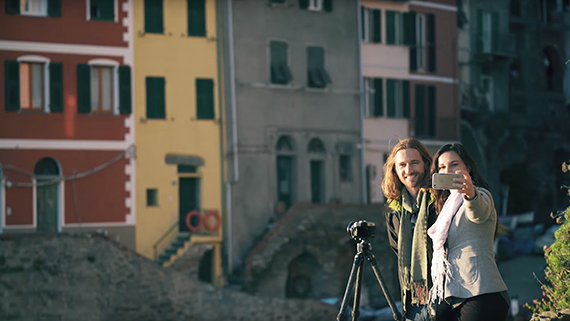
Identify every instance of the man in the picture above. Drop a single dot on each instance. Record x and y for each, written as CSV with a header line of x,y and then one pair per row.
x,y
409,213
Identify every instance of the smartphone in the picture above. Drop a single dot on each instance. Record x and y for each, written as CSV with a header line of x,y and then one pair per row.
x,y
444,180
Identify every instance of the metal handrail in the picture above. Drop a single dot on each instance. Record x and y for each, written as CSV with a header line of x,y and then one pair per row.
x,y
160,239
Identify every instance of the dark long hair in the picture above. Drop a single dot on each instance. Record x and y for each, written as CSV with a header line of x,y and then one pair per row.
x,y
478,180
391,185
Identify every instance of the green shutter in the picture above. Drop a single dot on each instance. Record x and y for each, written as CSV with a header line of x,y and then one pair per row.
x,y
55,87
432,111
431,42
83,89
153,16
495,31
409,28
390,27
303,4
204,99
11,85
13,6
377,25
54,8
378,98
125,104
328,5
196,18
362,22
391,97
419,111
155,98
102,10
406,98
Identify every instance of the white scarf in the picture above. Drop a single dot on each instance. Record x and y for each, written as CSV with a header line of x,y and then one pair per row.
x,y
438,232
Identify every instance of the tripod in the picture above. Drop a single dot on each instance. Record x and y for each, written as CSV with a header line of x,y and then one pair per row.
x,y
363,250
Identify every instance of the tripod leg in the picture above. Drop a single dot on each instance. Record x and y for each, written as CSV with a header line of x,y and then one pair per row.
x,y
396,314
358,260
357,288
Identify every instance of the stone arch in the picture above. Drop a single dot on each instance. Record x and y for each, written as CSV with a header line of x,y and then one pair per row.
x,y
316,145
301,272
47,173
285,144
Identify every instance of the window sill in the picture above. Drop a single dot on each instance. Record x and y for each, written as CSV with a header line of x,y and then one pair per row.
x,y
317,90
32,110
102,19
34,14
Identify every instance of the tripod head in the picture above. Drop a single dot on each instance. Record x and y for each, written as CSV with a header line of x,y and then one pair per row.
x,y
361,230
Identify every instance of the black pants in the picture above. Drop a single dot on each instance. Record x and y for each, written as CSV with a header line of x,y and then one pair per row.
x,y
485,307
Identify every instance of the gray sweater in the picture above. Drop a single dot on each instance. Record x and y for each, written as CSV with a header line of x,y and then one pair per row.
x,y
470,249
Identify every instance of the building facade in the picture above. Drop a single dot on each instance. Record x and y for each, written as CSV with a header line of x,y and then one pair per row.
x,y
514,100
178,128
409,66
294,119
66,128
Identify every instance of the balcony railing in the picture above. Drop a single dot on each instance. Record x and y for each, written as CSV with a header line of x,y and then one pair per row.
x,y
495,45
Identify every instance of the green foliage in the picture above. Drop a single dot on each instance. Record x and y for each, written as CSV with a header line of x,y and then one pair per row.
x,y
556,292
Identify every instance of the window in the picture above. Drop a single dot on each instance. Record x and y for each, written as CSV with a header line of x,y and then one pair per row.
x,y
371,25
155,98
196,18
394,28
316,146
153,16
151,197
31,86
103,89
316,73
316,5
34,84
420,42
488,28
345,168
102,10
374,98
487,89
205,99
39,8
425,111
397,98
280,73
33,7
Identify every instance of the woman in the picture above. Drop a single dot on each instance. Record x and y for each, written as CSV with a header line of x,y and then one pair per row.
x,y
464,272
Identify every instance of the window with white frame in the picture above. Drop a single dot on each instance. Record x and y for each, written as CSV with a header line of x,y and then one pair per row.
x,y
32,85
34,7
102,96
102,10
394,27
420,42
387,98
315,5
371,25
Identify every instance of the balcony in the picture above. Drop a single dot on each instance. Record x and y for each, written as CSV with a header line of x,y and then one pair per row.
x,y
494,46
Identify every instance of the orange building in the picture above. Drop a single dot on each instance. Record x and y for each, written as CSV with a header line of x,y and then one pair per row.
x,y
66,128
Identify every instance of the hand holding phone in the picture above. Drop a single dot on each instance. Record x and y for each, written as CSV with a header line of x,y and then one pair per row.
x,y
444,180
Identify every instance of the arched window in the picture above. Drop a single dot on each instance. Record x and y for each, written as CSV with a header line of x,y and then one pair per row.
x,y
48,205
316,146
285,144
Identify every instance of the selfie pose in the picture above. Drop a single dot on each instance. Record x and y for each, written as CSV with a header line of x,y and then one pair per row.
x,y
466,281
409,213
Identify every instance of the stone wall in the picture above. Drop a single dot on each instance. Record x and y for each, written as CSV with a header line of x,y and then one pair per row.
x,y
90,278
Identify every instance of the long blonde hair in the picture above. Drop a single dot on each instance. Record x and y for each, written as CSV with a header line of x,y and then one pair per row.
x,y
391,185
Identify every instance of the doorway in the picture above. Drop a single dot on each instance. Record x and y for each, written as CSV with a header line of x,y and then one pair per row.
x,y
188,200
317,181
46,174
285,181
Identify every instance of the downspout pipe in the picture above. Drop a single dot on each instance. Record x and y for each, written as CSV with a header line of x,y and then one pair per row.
x,y
234,134
361,103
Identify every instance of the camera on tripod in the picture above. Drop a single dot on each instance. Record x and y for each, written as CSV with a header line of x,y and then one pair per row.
x,y
361,229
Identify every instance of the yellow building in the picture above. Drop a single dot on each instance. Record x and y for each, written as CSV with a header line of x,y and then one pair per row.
x,y
177,130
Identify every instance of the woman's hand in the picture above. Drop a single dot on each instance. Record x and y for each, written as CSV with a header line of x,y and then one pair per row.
x,y
464,184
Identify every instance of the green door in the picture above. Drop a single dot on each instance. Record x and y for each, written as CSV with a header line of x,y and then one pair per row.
x,y
46,173
317,181
188,200
285,180
47,206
